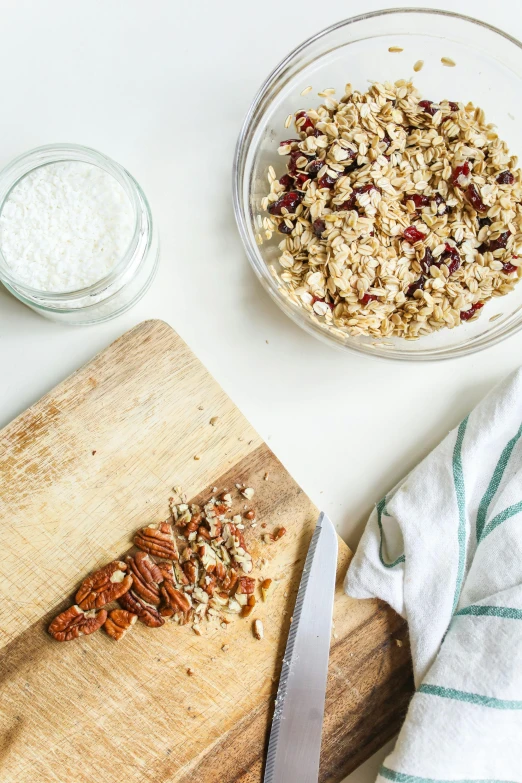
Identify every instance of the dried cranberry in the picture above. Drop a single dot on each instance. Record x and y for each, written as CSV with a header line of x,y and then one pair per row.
x,y
326,181
365,188
465,315
314,168
289,141
287,201
438,201
453,106
427,261
451,258
473,196
284,229
505,178
386,140
307,123
418,199
500,242
319,226
368,298
417,286
350,204
317,133
301,179
294,157
461,175
509,268
428,107
412,234
286,181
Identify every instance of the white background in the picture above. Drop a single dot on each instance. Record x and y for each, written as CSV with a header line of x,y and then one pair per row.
x,y
162,87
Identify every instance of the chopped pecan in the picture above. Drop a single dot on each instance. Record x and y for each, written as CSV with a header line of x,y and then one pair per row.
x,y
230,581
191,570
204,533
146,577
174,599
180,577
247,585
118,623
167,571
75,622
220,571
157,540
215,528
248,608
147,613
266,588
208,583
104,586
279,534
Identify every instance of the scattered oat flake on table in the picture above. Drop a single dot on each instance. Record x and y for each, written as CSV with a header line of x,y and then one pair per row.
x,y
395,49
448,61
288,120
306,90
418,65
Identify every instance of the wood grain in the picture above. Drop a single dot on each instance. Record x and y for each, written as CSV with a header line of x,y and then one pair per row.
x,y
79,472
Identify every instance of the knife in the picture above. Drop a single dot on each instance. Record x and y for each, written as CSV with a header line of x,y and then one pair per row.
x,y
295,737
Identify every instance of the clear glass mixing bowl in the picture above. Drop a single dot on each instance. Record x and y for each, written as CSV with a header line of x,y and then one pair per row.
x,y
488,72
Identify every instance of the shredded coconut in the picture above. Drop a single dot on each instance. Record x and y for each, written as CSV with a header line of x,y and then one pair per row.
x,y
65,226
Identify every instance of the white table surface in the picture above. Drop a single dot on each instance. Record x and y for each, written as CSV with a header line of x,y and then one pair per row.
x,y
162,87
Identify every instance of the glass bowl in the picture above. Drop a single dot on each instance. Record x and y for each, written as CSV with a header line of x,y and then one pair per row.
x,y
125,284
488,72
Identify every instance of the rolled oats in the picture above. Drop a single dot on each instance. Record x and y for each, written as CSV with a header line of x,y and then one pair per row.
x,y
397,216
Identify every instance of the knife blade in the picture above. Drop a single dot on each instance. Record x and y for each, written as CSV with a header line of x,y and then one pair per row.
x,y
295,736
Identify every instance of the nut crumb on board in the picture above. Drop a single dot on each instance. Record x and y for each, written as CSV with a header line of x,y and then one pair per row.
x,y
190,672
225,647
214,420
399,642
279,534
258,629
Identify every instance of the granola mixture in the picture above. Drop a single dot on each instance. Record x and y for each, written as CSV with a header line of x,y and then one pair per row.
x,y
400,216
193,566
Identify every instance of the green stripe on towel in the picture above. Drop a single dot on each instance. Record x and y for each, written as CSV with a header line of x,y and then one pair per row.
x,y
471,698
401,777
508,512
491,611
381,509
494,483
458,479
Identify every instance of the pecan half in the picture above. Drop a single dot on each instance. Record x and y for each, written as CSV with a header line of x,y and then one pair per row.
x,y
147,613
174,599
146,577
103,586
75,622
118,623
157,540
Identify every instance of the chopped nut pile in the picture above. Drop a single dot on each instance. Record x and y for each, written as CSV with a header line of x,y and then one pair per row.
x,y
400,215
193,566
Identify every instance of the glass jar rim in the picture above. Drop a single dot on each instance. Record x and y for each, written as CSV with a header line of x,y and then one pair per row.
x,y
47,154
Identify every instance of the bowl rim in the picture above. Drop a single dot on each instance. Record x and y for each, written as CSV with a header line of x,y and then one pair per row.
x,y
264,275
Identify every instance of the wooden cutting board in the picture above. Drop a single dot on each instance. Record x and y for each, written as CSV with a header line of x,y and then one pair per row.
x,y
79,472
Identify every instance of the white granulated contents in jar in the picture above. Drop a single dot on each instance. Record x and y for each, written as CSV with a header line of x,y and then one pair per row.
x,y
65,226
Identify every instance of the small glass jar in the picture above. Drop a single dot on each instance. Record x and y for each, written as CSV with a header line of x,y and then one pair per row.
x,y
128,280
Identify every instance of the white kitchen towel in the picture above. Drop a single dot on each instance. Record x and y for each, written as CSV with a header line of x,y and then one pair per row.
x,y
444,549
